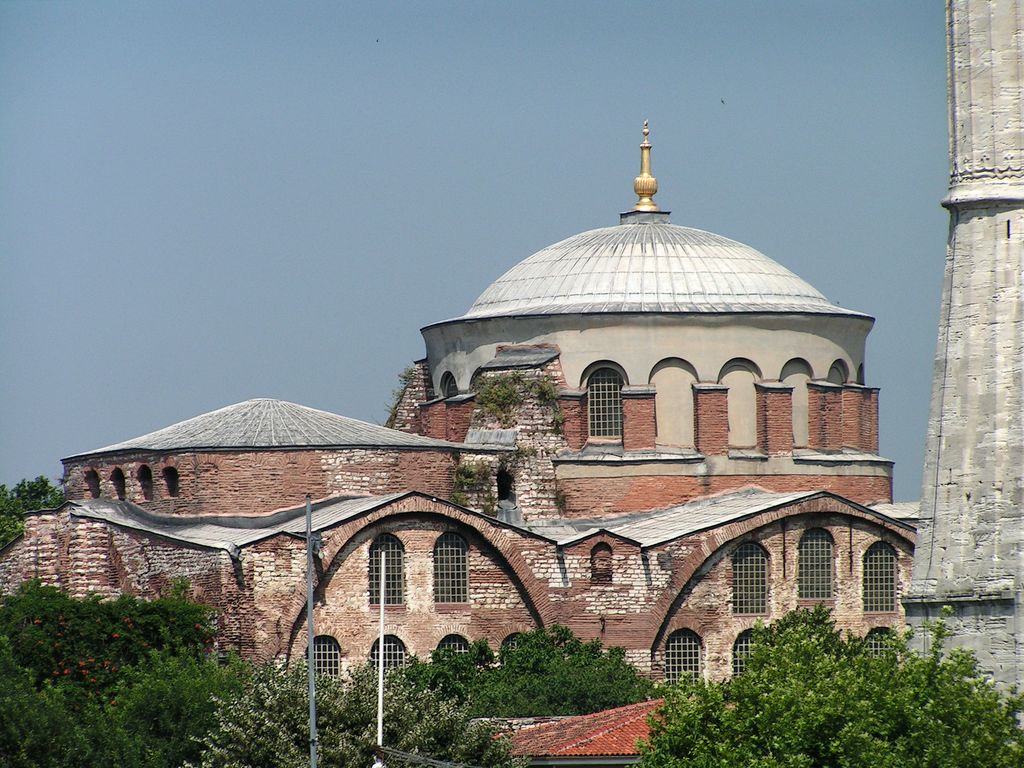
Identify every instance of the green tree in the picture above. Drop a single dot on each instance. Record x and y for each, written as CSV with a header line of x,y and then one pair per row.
x,y
812,698
546,672
268,726
88,642
25,496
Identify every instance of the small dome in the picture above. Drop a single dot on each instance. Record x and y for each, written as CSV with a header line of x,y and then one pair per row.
x,y
648,265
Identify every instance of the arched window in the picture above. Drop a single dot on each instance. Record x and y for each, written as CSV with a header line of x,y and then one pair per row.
x,y
880,577
394,570
394,652
749,579
171,480
838,373
326,655
604,403
117,480
683,656
92,483
145,477
877,640
741,651
451,569
739,376
601,564
814,566
454,644
448,386
511,642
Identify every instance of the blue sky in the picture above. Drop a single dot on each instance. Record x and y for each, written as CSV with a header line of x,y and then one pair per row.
x,y
202,203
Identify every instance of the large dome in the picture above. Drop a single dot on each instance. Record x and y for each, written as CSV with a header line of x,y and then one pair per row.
x,y
647,264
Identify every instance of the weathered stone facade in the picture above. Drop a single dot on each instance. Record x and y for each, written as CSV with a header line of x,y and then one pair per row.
x,y
516,579
971,556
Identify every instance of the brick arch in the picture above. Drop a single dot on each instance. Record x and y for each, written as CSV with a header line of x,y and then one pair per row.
x,y
713,547
342,540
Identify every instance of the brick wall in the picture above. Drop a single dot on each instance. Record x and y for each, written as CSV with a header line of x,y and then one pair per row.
x,y
711,418
639,426
774,419
258,482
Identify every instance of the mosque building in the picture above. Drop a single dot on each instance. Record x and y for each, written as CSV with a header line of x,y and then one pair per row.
x,y
652,434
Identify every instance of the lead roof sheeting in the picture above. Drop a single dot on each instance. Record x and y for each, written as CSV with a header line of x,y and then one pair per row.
x,y
218,535
265,423
649,267
528,357
502,438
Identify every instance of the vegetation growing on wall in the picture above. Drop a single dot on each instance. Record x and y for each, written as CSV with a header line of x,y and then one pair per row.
x,y
474,477
500,394
405,378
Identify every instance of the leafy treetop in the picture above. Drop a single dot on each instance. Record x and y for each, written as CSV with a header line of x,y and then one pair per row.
x,y
25,496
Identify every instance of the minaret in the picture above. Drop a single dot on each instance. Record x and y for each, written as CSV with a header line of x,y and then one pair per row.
x,y
970,547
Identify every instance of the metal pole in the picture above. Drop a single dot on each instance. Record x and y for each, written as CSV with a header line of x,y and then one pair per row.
x,y
311,670
380,654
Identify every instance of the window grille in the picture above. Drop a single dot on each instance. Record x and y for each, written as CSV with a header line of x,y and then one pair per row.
x,y
877,640
454,643
814,570
394,574
394,652
741,651
749,579
880,577
451,569
326,655
511,642
604,403
601,563
683,654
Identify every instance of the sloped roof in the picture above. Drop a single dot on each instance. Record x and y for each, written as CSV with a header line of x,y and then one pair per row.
x,y
612,732
263,424
658,526
649,265
227,532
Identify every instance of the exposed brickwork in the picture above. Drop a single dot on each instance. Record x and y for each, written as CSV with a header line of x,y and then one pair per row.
x,y
825,416
711,418
418,389
258,482
594,496
574,415
774,419
434,419
458,416
639,426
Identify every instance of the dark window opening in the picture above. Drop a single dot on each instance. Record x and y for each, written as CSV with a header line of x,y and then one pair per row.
x,y
505,486
326,655
92,483
451,569
741,651
683,656
171,480
145,478
448,386
604,403
601,563
117,480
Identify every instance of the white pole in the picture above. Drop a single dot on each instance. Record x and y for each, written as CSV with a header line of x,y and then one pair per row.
x,y
311,671
380,654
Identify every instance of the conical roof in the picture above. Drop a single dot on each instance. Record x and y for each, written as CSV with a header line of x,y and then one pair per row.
x,y
649,265
268,424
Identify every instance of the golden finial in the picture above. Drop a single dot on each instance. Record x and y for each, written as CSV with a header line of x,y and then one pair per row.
x,y
645,185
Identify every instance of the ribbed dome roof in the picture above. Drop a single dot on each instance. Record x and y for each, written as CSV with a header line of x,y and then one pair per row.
x,y
648,266
269,424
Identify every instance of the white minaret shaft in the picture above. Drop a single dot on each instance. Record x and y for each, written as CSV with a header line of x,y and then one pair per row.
x,y
970,549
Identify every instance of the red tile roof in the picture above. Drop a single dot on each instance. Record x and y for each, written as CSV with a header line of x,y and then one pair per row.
x,y
612,732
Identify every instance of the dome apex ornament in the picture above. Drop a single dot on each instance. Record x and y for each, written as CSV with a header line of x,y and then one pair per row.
x,y
645,185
